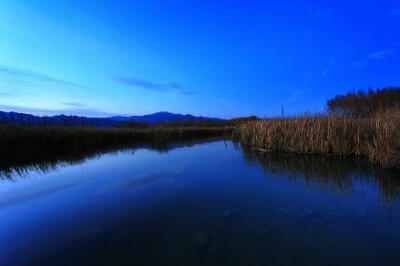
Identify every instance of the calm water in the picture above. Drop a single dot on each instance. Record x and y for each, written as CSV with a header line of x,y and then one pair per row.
x,y
205,204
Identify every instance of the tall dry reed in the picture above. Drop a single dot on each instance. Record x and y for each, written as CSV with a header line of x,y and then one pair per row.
x,y
377,137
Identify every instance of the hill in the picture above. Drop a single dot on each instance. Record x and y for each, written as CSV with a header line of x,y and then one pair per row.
x,y
15,118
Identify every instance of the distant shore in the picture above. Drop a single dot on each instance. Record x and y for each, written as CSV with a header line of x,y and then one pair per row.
x,y
39,140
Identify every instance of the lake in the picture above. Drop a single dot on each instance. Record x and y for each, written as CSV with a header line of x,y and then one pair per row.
x,y
210,203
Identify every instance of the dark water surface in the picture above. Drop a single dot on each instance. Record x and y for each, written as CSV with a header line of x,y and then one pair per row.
x,y
207,204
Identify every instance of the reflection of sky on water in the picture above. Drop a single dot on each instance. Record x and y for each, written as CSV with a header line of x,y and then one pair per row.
x,y
209,204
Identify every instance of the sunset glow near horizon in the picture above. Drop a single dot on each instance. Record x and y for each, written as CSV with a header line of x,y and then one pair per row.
x,y
211,58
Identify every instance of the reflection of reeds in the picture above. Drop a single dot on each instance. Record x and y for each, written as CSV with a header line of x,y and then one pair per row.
x,y
17,165
377,137
334,173
24,144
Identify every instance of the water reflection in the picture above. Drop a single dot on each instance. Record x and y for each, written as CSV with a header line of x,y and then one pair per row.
x,y
203,205
20,164
339,175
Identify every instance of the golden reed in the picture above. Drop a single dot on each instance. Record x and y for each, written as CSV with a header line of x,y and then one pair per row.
x,y
377,137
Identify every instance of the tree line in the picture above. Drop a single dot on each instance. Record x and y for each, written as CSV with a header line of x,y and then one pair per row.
x,y
365,103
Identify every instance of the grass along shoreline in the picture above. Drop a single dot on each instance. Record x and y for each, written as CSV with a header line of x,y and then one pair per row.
x,y
15,165
376,137
17,139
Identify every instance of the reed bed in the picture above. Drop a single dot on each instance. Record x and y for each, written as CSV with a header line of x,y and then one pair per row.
x,y
376,137
17,139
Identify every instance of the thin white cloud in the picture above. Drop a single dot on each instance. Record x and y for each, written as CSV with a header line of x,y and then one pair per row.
x,y
377,55
23,76
88,112
361,63
6,94
73,104
171,87
381,54
325,71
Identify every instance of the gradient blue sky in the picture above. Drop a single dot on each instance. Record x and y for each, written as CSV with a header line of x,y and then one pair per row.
x,y
213,58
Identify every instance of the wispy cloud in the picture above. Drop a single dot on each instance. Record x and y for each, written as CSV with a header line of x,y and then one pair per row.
x,y
5,94
331,64
74,104
12,74
168,175
381,54
361,63
87,111
377,55
326,71
150,85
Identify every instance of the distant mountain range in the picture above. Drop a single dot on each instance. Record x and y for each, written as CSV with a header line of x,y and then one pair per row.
x,y
115,121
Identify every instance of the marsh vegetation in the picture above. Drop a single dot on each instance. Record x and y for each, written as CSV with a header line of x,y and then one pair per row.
x,y
365,124
53,140
348,129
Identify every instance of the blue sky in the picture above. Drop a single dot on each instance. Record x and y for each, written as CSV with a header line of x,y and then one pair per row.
x,y
212,58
